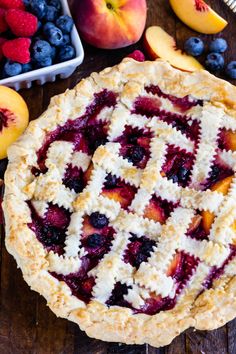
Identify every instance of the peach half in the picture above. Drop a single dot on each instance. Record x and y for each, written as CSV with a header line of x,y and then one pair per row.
x,y
198,15
159,44
14,118
221,187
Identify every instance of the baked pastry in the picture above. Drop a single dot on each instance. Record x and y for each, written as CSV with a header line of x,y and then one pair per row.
x,y
120,203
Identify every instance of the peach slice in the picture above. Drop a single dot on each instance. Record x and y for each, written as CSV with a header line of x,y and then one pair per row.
x,y
198,15
159,44
174,265
221,187
154,212
14,118
230,140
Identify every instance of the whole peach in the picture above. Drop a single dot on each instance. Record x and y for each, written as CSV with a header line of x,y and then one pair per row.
x,y
110,24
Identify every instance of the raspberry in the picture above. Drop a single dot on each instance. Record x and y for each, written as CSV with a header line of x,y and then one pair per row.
x,y
12,4
137,55
2,40
17,50
3,24
21,23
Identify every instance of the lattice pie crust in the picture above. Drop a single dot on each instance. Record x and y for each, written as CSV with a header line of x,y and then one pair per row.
x,y
43,268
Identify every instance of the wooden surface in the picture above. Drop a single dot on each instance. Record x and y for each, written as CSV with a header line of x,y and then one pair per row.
x,y
27,326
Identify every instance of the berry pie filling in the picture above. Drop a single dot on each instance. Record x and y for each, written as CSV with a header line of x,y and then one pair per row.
x,y
135,146
178,165
87,133
50,229
158,209
181,103
118,190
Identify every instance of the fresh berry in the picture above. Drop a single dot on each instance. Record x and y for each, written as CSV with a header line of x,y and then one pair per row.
x,y
12,4
2,40
27,67
55,3
66,53
53,53
94,240
47,27
41,49
215,62
17,50
219,45
51,13
3,23
66,40
55,36
27,3
65,23
136,154
98,220
38,7
111,181
231,70
137,55
194,46
21,23
47,61
12,68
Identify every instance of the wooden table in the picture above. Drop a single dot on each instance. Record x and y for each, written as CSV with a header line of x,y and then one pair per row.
x,y
27,326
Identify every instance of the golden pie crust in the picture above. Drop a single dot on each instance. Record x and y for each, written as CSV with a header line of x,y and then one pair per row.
x,y
204,310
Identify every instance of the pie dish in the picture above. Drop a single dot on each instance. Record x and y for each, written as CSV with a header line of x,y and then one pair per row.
x,y
120,203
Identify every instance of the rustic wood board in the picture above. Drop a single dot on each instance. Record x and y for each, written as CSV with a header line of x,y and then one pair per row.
x,y
27,326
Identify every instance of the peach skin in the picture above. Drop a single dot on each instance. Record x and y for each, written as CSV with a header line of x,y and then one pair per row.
x,y
110,24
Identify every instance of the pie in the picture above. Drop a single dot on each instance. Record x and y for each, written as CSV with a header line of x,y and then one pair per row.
x,y
120,203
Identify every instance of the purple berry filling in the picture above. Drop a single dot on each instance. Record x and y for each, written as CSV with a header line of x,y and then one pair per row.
x,y
217,272
85,132
138,250
217,173
178,165
184,103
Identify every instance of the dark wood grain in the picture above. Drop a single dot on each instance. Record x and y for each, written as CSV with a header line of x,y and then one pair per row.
x,y
27,326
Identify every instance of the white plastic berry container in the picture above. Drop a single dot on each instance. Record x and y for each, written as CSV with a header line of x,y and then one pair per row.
x,y
49,74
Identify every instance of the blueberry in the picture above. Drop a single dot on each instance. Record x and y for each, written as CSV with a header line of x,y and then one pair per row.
x,y
94,240
47,27
66,40
47,61
27,3
194,46
39,26
38,7
65,23
231,70
67,53
76,184
27,67
111,181
174,178
219,45
215,62
52,236
183,174
12,69
98,220
55,3
55,36
136,154
51,13
98,142
53,53
41,50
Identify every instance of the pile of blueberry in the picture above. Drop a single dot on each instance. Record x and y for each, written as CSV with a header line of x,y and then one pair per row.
x,y
50,44
215,62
